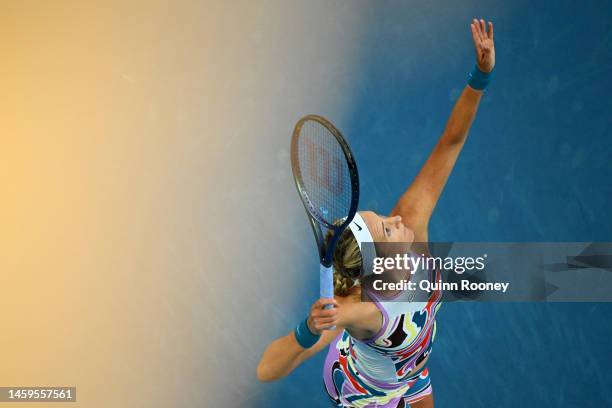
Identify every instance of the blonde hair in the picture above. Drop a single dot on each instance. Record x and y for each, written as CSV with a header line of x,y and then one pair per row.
x,y
346,263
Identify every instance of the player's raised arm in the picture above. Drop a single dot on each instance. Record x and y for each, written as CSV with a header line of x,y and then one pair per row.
x,y
419,200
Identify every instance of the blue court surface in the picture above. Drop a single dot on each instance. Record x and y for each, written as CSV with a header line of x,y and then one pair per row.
x,y
536,167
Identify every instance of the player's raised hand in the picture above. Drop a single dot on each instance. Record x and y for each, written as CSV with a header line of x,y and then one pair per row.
x,y
482,33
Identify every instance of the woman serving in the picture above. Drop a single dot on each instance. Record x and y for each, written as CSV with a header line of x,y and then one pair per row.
x,y
378,350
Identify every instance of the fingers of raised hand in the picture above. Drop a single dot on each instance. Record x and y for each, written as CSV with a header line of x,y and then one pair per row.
x,y
476,32
483,28
479,29
482,32
475,35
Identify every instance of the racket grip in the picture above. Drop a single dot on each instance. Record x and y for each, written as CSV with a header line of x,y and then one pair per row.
x,y
326,276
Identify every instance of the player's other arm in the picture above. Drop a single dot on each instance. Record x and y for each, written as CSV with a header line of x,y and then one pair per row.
x,y
284,354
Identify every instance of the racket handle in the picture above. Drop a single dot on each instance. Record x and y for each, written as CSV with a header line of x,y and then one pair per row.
x,y
326,276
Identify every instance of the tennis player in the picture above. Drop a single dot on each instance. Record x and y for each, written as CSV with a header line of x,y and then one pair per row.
x,y
378,350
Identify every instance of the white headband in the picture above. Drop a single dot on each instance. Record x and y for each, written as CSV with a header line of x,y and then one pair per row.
x,y
362,234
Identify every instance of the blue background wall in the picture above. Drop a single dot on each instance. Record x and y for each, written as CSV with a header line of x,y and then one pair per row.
x,y
536,167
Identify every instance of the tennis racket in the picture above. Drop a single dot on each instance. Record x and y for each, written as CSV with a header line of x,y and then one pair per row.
x,y
326,178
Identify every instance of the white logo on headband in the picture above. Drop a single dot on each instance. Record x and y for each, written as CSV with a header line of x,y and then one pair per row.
x,y
360,230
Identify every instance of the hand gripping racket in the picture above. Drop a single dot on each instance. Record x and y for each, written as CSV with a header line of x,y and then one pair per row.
x,y
326,178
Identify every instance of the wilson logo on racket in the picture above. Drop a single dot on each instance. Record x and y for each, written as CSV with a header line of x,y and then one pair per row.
x,y
325,169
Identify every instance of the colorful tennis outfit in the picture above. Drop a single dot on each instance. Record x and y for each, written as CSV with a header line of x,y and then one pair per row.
x,y
379,372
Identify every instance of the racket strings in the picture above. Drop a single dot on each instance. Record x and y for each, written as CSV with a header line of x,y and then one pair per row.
x,y
325,173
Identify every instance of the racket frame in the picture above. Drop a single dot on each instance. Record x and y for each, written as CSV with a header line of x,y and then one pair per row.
x,y
316,221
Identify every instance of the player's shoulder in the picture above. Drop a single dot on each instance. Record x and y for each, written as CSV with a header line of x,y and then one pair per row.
x,y
359,314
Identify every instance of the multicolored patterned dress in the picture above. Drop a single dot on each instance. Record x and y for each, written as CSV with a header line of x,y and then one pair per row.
x,y
379,372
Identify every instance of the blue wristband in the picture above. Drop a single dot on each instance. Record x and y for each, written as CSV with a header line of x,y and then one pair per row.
x,y
478,79
304,336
